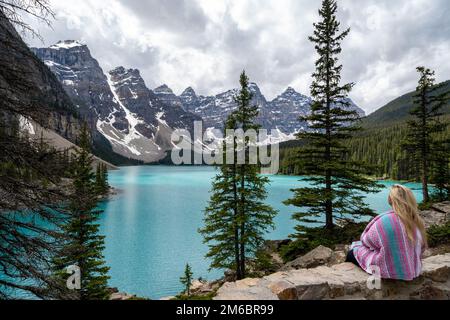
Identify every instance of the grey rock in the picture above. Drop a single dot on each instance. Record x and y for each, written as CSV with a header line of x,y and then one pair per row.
x,y
434,218
343,281
282,113
443,207
319,256
118,106
121,296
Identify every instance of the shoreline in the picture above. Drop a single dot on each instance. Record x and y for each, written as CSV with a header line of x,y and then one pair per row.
x,y
375,178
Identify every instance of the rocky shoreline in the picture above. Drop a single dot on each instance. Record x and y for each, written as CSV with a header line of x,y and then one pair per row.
x,y
344,282
323,274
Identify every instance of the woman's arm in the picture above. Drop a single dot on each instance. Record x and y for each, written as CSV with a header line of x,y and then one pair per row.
x,y
369,237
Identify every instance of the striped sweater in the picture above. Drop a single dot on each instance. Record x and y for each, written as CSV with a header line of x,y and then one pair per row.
x,y
385,244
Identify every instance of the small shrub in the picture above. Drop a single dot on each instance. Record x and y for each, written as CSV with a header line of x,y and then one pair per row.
x,y
439,235
264,263
207,297
425,205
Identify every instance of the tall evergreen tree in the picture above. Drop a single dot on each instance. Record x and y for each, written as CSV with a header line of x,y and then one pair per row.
x,y
424,127
220,228
105,182
101,179
83,246
98,179
336,182
186,279
255,217
236,218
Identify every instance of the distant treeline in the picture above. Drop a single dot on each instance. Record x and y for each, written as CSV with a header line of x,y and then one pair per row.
x,y
379,147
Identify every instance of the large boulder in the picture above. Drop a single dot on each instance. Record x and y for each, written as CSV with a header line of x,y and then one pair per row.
x,y
343,281
438,215
121,296
433,218
319,256
442,207
202,287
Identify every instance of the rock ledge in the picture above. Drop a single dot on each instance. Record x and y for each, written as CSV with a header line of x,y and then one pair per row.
x,y
342,281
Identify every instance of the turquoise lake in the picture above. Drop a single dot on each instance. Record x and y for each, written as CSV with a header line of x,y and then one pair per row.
x,y
151,225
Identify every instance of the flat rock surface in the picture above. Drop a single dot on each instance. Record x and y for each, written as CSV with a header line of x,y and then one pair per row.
x,y
342,281
319,256
439,214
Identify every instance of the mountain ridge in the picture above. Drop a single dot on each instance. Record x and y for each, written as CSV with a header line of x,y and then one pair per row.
x,y
138,121
117,104
280,113
397,111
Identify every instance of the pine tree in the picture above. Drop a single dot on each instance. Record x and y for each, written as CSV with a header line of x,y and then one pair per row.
x,y
105,183
236,218
83,246
98,179
101,179
424,127
186,279
220,228
336,182
255,217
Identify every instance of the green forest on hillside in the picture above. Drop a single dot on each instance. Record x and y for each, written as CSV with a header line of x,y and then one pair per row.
x,y
379,144
380,147
397,111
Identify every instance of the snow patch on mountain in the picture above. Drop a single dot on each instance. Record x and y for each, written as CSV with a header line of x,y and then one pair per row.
x,y
67,44
131,139
26,126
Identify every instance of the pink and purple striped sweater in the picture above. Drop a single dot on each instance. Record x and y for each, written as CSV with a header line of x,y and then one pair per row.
x,y
385,244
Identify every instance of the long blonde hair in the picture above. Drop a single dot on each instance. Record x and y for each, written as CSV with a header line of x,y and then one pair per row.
x,y
404,204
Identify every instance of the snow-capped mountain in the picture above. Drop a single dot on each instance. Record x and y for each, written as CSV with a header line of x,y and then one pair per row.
x,y
215,109
81,77
166,95
280,114
137,124
154,119
286,109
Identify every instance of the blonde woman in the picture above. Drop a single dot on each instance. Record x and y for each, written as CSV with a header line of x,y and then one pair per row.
x,y
393,242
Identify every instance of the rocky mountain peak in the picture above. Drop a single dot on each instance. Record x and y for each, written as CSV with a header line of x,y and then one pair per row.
x,y
67,45
118,70
253,86
118,106
126,76
164,89
291,94
81,76
189,92
137,122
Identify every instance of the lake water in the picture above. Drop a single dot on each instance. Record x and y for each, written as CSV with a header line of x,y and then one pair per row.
x,y
151,225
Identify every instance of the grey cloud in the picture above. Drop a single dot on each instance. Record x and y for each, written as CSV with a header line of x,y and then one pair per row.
x,y
397,35
184,18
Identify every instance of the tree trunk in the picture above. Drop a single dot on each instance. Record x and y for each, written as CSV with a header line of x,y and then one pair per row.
x,y
243,268
239,275
328,175
242,249
426,195
425,149
329,203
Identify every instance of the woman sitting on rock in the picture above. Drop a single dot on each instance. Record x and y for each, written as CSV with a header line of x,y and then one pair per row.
x,y
393,243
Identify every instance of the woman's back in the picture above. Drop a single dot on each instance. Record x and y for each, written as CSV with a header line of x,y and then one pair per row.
x,y
385,244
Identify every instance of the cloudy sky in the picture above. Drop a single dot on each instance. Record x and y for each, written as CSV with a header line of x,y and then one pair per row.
x,y
206,43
